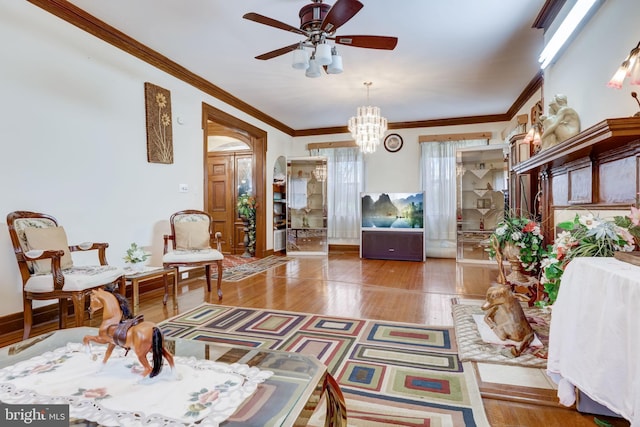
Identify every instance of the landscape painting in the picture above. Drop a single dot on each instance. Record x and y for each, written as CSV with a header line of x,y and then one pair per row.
x,y
393,210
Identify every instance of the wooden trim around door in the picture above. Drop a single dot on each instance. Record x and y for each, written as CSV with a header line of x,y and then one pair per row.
x,y
258,141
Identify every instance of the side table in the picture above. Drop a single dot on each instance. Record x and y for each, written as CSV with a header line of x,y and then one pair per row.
x,y
149,273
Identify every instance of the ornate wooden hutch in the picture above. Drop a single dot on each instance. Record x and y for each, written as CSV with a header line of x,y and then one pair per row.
x,y
598,169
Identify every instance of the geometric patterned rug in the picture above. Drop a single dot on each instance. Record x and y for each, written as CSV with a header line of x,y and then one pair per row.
x,y
241,271
471,347
390,373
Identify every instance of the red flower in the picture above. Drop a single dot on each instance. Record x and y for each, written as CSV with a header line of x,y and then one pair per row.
x,y
529,227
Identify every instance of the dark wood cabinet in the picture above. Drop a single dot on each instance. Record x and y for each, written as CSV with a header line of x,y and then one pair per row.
x,y
393,245
598,170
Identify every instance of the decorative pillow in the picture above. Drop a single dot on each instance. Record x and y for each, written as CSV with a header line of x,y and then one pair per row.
x,y
50,238
192,235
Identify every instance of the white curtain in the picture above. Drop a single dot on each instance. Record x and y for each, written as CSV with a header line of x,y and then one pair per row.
x,y
345,183
438,181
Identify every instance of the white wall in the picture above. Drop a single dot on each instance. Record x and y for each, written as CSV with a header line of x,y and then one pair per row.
x,y
74,143
585,67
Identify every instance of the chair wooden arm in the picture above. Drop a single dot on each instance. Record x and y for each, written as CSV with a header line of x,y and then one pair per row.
x,y
56,270
166,239
91,246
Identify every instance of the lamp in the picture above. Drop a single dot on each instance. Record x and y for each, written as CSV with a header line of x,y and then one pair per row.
x,y
314,68
336,62
630,67
323,55
300,58
534,138
367,127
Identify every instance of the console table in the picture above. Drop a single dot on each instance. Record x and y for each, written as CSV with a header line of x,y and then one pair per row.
x,y
594,339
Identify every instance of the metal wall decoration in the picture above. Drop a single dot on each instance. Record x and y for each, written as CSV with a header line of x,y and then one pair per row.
x,y
159,133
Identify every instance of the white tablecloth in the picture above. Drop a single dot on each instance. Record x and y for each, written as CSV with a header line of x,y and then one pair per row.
x,y
594,339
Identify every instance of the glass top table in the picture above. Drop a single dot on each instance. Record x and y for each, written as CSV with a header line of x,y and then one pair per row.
x,y
288,398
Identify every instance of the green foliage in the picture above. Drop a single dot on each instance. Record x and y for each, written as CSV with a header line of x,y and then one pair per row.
x,y
135,254
584,236
247,210
524,233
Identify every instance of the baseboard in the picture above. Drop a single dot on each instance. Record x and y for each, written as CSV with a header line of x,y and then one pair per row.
x,y
344,248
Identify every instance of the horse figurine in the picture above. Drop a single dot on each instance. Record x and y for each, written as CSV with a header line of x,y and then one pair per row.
x,y
119,328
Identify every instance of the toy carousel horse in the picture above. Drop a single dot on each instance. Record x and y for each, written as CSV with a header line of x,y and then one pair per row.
x,y
118,328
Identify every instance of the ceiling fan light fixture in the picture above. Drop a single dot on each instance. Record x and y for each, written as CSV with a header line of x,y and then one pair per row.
x,y
323,54
336,63
300,59
314,68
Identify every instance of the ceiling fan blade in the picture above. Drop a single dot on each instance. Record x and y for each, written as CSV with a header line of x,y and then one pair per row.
x,y
340,12
261,19
278,52
370,42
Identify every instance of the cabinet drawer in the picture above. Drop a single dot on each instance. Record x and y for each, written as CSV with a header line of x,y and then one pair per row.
x,y
408,246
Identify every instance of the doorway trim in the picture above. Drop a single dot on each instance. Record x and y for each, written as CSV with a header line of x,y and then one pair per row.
x,y
258,143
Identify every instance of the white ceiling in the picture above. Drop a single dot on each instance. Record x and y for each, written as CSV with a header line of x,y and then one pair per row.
x,y
454,58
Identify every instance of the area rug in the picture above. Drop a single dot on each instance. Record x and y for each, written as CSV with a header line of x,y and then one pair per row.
x,y
472,348
243,270
231,261
391,373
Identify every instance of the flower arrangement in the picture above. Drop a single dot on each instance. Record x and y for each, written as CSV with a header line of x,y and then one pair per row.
x,y
247,206
585,235
523,233
135,254
631,222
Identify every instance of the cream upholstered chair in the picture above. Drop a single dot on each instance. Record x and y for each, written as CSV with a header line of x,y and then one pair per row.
x,y
191,238
48,271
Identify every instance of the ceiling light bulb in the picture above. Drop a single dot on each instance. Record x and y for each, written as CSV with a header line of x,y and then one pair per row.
x,y
323,54
300,59
336,63
314,69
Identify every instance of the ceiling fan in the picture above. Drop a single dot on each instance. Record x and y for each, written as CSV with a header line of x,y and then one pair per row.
x,y
318,23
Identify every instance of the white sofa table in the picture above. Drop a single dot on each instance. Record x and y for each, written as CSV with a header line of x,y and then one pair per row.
x,y
594,340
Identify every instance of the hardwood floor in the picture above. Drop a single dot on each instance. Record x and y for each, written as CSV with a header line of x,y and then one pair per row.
x,y
344,285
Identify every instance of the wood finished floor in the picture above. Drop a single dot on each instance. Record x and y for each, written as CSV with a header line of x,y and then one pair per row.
x,y
344,285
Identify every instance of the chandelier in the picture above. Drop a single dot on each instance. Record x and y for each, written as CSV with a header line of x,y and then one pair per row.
x,y
368,127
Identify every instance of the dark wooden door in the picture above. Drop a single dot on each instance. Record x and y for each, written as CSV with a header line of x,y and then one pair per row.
x,y
229,175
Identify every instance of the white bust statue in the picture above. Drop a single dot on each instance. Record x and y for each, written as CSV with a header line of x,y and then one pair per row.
x,y
560,124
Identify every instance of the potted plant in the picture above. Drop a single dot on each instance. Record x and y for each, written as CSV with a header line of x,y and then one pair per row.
x,y
246,206
518,239
586,235
136,256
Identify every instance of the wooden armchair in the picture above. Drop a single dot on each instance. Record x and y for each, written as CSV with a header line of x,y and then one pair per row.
x,y
47,269
191,238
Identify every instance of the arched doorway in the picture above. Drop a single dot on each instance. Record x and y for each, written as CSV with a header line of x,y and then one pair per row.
x,y
222,182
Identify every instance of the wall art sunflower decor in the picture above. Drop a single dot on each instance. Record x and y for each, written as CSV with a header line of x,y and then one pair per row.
x,y
159,134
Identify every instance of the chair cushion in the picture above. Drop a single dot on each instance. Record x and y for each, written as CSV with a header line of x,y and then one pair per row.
x,y
192,235
185,256
22,224
48,238
76,278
